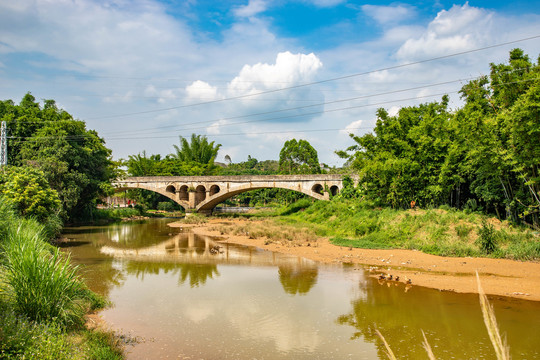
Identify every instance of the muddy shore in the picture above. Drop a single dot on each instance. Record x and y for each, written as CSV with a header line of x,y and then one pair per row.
x,y
500,277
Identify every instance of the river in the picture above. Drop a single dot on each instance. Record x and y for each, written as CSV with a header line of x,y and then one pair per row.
x,y
184,296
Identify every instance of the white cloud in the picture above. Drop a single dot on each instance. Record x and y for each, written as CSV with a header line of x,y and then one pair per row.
x,y
353,128
200,90
458,29
389,14
253,8
394,110
288,70
215,128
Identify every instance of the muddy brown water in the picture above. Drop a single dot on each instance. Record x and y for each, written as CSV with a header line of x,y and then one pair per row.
x,y
180,296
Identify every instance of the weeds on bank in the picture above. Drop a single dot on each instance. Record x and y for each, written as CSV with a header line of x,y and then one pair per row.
x,y
445,232
42,299
287,235
195,219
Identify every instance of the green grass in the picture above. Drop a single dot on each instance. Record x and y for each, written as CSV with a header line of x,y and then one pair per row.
x,y
446,232
42,299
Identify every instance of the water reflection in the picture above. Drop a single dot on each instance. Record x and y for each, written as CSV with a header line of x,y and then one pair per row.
x,y
197,274
199,298
297,280
452,322
135,249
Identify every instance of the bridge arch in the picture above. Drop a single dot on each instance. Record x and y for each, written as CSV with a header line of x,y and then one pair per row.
x,y
203,193
209,204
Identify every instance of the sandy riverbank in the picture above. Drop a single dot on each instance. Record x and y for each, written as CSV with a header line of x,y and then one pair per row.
x,y
499,277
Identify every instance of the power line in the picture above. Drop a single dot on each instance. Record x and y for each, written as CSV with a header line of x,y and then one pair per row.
x,y
183,126
321,81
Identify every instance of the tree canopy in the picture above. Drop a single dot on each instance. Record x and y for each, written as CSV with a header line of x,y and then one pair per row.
x,y
74,160
483,155
298,157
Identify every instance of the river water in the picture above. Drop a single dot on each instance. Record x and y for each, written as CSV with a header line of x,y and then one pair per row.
x,y
180,296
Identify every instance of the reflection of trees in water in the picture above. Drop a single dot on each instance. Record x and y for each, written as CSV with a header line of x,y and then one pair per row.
x,y
102,277
452,322
197,274
297,280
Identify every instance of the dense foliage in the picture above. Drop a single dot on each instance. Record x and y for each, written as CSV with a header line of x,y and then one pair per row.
x,y
298,157
75,161
27,191
485,155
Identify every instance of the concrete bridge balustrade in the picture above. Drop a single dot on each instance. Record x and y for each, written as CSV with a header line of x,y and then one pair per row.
x,y
202,193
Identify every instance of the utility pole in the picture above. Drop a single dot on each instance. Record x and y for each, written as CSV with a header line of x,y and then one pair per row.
x,y
3,144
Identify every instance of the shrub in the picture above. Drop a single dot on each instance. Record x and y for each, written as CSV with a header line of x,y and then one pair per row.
x,y
463,231
487,240
24,339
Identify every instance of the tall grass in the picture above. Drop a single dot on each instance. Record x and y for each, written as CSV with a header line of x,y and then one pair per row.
x,y
39,280
42,299
442,232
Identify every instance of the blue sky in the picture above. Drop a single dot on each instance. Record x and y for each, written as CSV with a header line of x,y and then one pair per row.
x,y
249,74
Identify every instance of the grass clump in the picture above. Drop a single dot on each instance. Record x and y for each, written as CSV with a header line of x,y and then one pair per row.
x,y
194,218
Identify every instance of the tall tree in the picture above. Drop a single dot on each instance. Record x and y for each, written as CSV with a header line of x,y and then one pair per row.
x,y
74,160
197,150
298,157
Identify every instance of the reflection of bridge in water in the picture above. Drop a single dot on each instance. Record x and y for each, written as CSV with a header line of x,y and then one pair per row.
x,y
198,249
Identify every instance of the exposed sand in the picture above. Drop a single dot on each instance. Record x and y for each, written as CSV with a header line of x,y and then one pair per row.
x,y
499,277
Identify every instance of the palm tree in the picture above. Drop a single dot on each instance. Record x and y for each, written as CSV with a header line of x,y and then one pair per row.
x,y
198,150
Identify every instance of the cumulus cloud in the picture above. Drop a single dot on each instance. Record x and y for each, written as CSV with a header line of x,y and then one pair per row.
x,y
215,128
460,28
200,90
389,14
288,70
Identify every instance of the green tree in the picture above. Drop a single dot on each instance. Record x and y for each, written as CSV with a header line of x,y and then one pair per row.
x,y
402,160
198,150
74,160
298,157
141,165
27,191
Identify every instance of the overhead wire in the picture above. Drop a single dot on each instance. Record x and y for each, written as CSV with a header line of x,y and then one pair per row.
x,y
84,137
319,81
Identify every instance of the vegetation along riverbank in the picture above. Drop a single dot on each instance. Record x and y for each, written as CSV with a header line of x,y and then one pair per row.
x,y
43,301
437,248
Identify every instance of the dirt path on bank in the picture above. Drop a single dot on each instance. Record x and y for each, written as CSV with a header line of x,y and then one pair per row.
x,y
499,277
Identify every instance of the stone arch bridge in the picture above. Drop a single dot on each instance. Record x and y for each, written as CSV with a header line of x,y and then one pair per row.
x,y
202,193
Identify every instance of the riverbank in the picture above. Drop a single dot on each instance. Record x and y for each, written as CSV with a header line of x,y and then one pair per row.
x,y
500,277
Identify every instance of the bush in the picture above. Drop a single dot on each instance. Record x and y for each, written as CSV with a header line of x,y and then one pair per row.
x,y
487,241
23,339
